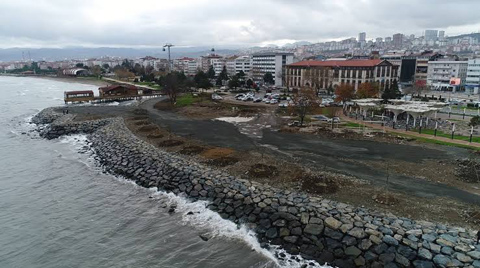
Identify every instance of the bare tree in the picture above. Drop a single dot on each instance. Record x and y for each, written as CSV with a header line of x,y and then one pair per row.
x,y
303,101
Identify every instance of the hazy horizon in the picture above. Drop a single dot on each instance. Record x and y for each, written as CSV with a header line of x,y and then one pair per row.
x,y
150,24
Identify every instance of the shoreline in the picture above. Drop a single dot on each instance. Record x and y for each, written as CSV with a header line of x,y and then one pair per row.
x,y
80,80
316,228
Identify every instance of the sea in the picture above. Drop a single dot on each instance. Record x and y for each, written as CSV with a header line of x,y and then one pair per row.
x,y
59,209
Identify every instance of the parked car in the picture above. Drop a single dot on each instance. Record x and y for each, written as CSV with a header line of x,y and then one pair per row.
x,y
321,118
335,120
216,97
273,101
257,100
283,105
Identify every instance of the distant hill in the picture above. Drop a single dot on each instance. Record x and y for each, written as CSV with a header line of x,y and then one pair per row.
x,y
52,54
299,43
474,35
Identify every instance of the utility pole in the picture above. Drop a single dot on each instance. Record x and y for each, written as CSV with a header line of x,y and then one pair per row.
x,y
168,46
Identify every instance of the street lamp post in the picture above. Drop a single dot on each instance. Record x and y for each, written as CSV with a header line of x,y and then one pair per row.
x,y
168,46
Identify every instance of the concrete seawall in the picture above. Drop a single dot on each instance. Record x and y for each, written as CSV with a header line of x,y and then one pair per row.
x,y
316,228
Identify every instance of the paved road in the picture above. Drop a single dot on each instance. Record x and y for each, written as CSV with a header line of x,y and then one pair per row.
x,y
314,151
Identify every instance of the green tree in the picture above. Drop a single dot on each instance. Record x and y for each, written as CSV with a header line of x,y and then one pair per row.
x,y
201,80
97,70
474,121
106,66
79,65
224,74
211,72
173,84
234,82
391,92
330,89
268,78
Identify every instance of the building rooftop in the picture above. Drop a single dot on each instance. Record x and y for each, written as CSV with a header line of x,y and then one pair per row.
x,y
339,63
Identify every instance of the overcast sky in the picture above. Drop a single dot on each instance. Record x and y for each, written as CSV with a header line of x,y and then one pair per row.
x,y
223,23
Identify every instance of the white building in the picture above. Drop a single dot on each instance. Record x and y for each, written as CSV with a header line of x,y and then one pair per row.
x,y
270,62
244,64
441,72
472,83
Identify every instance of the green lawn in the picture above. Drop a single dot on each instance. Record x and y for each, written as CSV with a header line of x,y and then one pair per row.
x,y
189,99
448,135
427,140
352,124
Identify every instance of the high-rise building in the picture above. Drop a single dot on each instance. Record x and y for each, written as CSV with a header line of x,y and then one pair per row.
x,y
398,40
472,85
270,62
388,40
441,35
362,37
431,35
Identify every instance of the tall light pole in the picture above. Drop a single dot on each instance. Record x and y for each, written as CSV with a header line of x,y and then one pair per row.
x,y
168,45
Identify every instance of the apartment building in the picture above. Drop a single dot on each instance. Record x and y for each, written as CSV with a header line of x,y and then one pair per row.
x,y
441,72
472,82
243,63
270,62
322,74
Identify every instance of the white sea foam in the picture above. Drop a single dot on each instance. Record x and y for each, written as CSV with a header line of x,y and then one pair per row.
x,y
205,219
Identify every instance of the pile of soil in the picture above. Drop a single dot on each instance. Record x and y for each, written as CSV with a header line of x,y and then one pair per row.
x,y
192,150
262,171
170,143
142,123
385,199
473,217
147,128
317,184
223,161
468,170
216,153
155,136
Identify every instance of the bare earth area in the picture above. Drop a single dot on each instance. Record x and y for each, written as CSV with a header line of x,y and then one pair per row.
x,y
383,172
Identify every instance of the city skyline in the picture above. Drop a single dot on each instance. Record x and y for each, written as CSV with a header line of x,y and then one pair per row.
x,y
52,23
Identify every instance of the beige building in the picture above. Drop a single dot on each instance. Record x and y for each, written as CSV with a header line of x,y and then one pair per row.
x,y
322,74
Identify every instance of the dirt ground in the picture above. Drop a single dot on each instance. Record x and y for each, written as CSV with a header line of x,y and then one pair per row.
x,y
262,166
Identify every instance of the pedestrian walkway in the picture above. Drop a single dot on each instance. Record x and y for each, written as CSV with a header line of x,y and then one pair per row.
x,y
410,133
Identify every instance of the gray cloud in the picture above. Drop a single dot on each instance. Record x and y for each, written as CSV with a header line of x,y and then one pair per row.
x,y
57,23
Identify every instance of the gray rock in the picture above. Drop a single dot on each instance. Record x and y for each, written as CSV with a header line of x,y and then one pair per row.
x,y
291,239
441,260
314,229
425,254
447,250
462,257
429,237
435,248
387,257
271,233
360,261
333,234
353,251
402,260
474,254
365,244
422,264
358,233
476,264
390,240
332,223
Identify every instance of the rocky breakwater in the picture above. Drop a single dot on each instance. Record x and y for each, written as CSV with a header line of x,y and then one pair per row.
x,y
54,124
316,228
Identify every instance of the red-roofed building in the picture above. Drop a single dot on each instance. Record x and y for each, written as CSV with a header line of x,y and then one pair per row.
x,y
322,74
119,90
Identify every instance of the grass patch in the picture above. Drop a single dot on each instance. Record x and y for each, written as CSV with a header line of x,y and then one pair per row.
x,y
447,135
352,124
432,141
189,99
